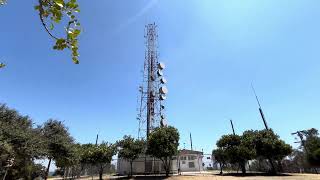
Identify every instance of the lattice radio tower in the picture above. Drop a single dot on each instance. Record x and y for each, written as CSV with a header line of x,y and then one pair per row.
x,y
152,90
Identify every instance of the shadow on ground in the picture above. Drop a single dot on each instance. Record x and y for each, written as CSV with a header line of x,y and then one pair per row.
x,y
251,174
145,177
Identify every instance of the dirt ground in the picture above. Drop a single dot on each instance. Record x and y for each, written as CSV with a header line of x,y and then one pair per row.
x,y
214,176
217,177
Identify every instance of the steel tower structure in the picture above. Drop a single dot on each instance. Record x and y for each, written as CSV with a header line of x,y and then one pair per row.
x,y
152,90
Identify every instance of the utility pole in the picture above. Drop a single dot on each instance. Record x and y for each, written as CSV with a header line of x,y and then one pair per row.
x,y
260,109
232,127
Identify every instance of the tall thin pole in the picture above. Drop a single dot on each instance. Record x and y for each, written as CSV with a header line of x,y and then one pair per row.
x,y
191,141
97,139
232,127
260,109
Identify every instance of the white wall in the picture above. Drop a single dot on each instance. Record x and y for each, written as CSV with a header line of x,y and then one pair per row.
x,y
184,161
138,166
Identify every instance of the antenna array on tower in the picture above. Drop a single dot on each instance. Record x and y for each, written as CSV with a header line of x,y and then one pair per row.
x,y
152,90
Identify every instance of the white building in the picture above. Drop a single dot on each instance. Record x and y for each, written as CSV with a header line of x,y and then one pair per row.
x,y
189,160
144,165
186,160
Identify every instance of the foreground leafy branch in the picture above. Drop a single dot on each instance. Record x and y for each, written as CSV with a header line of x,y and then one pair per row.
x,y
52,12
3,2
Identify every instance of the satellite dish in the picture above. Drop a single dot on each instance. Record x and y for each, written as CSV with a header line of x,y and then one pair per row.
x,y
163,90
161,65
159,72
163,97
163,80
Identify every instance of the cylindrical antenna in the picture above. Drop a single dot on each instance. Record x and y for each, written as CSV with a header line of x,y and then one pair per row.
x,y
254,91
232,127
97,138
191,141
260,109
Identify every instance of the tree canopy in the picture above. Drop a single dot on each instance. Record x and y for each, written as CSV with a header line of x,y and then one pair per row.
x,y
57,140
130,149
233,149
99,155
263,144
163,143
311,146
20,142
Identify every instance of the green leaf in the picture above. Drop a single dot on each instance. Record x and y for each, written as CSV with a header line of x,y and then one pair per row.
x,y
51,26
59,2
2,65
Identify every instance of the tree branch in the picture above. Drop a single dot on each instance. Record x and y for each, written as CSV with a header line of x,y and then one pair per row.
x,y
41,11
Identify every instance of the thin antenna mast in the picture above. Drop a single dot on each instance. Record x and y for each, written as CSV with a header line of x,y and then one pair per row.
x,y
260,109
97,139
191,141
232,127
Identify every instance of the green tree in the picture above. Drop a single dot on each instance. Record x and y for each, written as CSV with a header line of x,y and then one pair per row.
x,y
52,12
20,142
261,145
311,146
235,150
163,143
58,141
130,149
99,155
71,161
6,152
268,146
221,157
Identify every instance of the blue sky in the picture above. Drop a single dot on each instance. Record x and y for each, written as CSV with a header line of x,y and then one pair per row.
x,y
213,51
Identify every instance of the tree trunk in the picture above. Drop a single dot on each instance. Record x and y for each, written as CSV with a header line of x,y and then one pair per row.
x,y
130,168
169,166
273,169
47,172
64,173
221,166
166,167
5,174
243,167
280,167
101,172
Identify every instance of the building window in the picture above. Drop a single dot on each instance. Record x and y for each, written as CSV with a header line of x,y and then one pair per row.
x,y
191,164
174,158
183,158
208,157
191,157
183,162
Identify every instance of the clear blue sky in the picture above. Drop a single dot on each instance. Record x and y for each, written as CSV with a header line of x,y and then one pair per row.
x,y
213,51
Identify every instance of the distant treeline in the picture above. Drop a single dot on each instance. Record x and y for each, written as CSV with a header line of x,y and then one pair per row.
x,y
22,143
263,151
